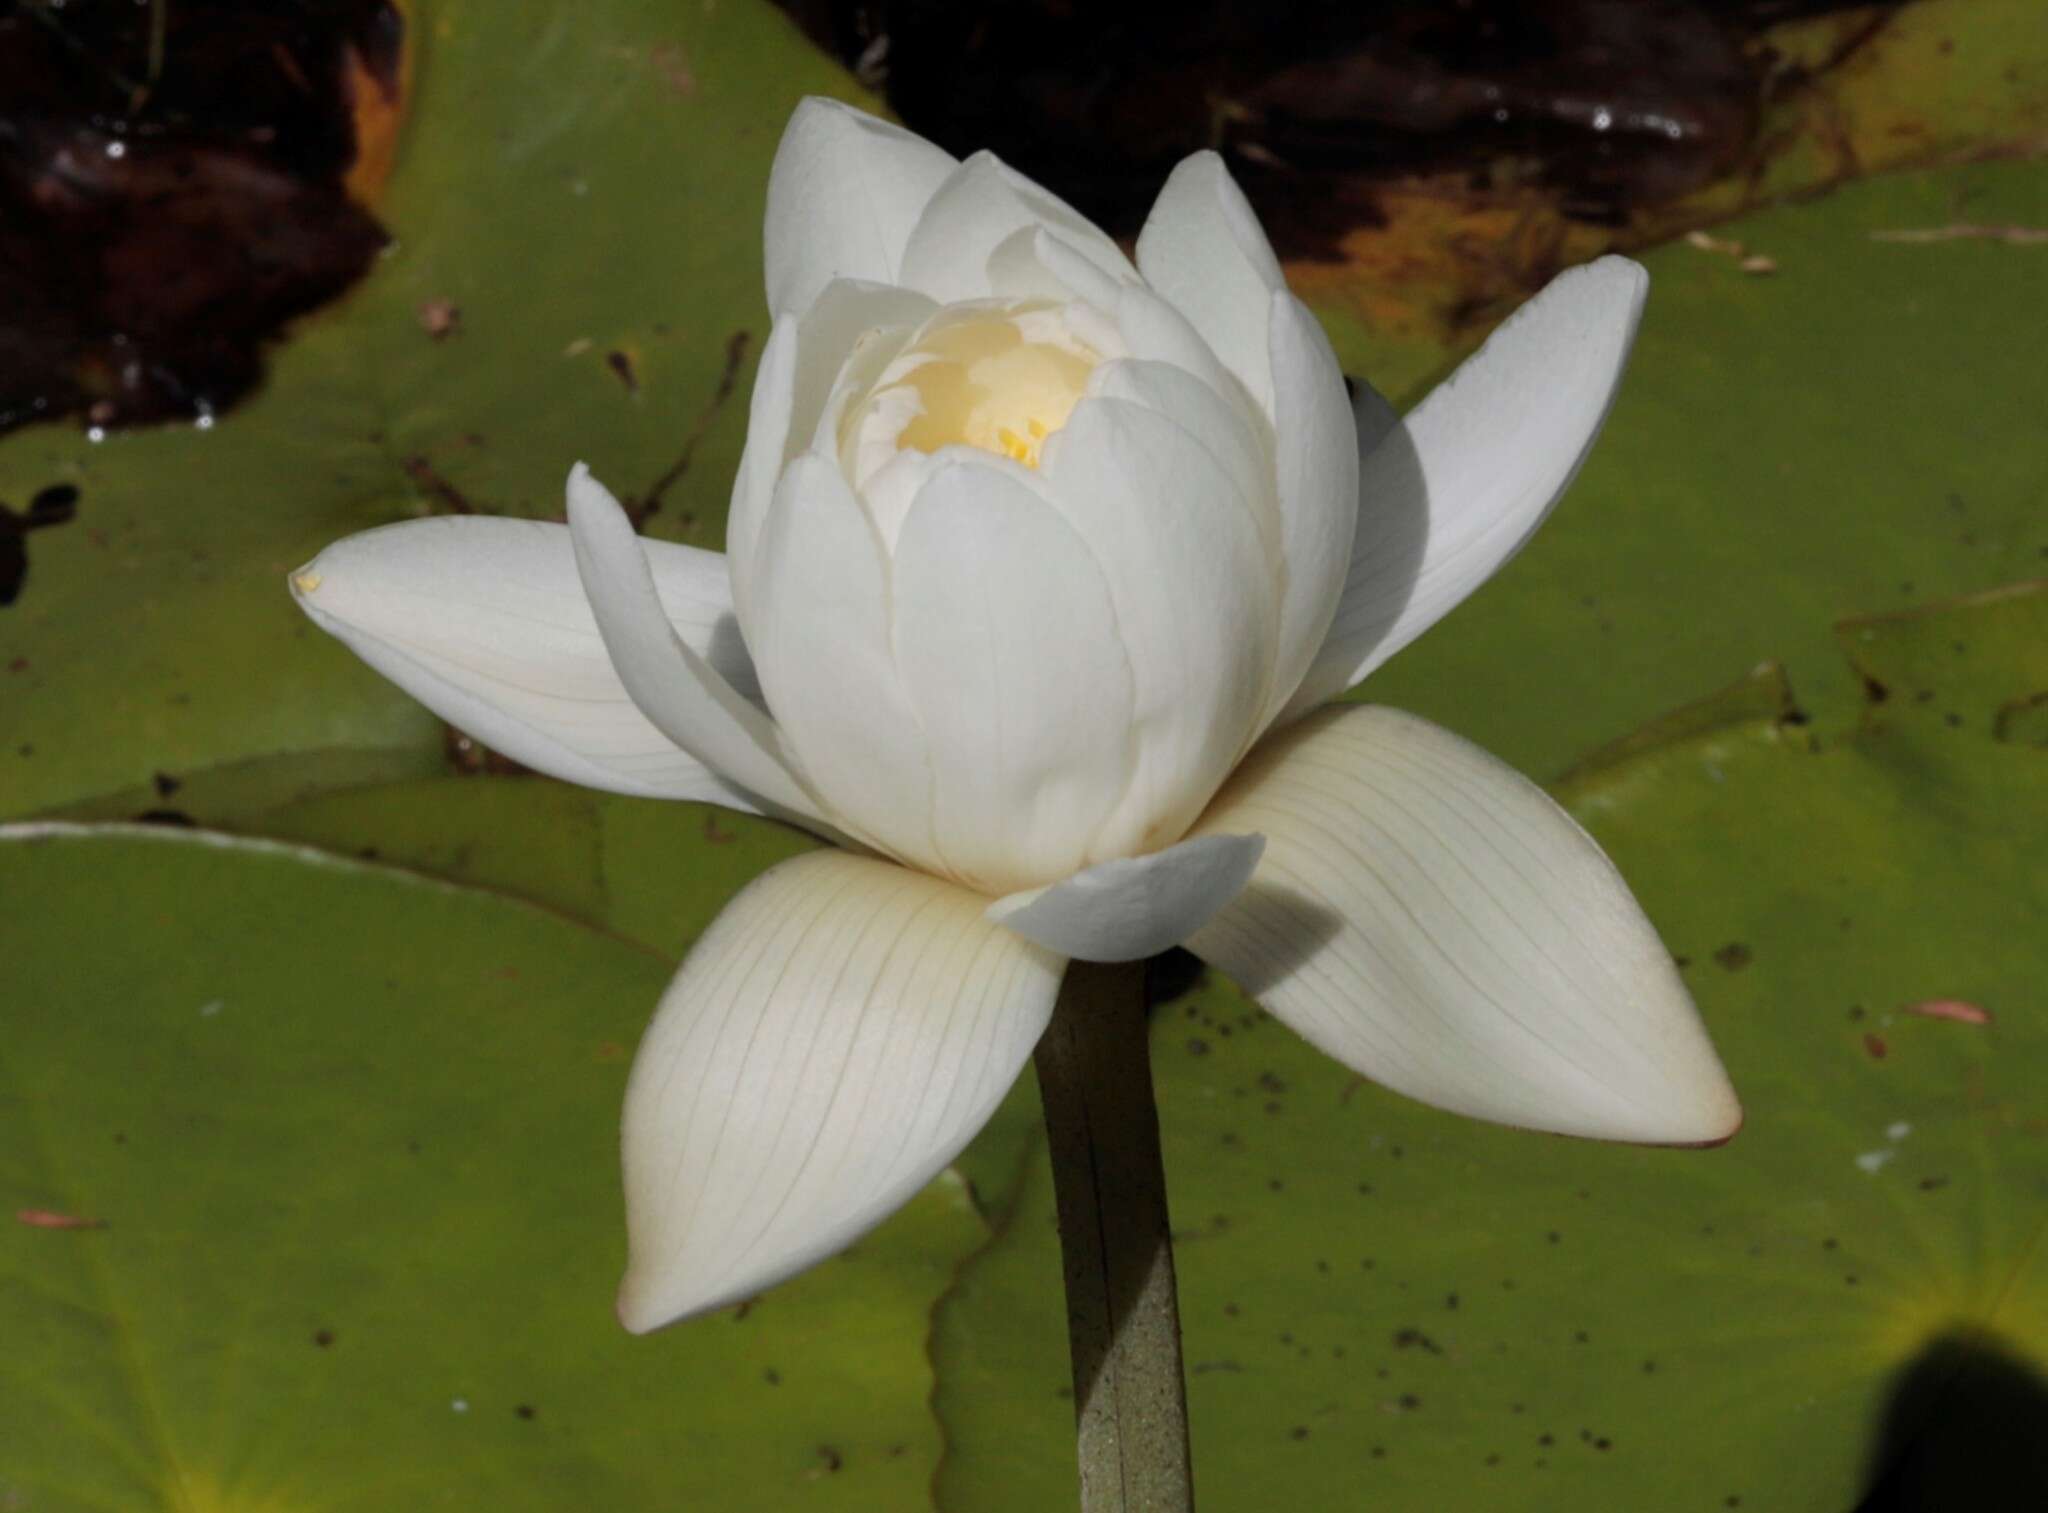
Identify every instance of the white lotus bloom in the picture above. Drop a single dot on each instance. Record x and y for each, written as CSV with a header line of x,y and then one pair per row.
x,y
1037,559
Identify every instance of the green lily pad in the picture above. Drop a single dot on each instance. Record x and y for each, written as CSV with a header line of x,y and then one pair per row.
x,y
1859,430
1933,661
1389,1307
652,871
308,1197
589,196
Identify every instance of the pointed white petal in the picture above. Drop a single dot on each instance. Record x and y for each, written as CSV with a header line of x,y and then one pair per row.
x,y
836,1037
1203,248
981,205
800,369
679,692
1193,593
1316,452
844,193
1455,490
1135,907
484,621
1431,919
1012,659
822,644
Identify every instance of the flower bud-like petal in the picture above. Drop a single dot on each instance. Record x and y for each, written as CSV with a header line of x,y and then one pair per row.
x,y
1204,250
1224,428
1316,460
820,634
1430,918
1010,650
1194,598
844,193
800,365
974,212
836,1037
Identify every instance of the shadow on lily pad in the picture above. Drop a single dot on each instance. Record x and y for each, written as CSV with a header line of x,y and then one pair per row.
x,y
1966,1427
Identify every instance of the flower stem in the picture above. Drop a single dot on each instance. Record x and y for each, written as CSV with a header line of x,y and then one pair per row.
x,y
1123,1323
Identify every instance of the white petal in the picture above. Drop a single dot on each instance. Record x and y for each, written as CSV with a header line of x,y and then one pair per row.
x,y
485,622
1454,491
877,342
1034,263
974,212
1011,655
1135,907
836,1037
801,368
1193,593
1225,428
844,193
1152,329
679,692
765,453
1316,456
821,640
1203,249
1431,919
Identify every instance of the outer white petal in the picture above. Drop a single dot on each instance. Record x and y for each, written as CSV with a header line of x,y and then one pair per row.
x,y
1202,247
680,693
1193,592
1316,454
1455,490
800,367
982,204
844,193
485,622
821,640
833,1040
1431,919
1012,658
1134,907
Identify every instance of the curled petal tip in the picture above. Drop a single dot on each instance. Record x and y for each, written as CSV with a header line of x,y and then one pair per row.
x,y
640,1306
635,1316
1725,1126
584,493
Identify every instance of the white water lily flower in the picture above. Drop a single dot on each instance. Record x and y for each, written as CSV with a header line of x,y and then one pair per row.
x,y
1040,564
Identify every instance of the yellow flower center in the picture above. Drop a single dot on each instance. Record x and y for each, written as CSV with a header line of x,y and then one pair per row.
x,y
1003,381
